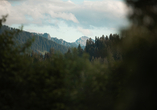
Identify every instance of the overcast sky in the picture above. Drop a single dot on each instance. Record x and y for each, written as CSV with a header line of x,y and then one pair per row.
x,y
66,19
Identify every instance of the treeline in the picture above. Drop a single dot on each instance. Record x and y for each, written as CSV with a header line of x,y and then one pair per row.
x,y
73,81
100,49
103,47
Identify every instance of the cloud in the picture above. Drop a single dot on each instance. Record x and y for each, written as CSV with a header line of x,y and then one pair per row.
x,y
85,32
111,7
101,13
4,7
14,16
84,16
65,16
37,10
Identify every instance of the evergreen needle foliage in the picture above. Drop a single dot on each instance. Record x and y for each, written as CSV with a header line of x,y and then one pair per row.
x,y
112,73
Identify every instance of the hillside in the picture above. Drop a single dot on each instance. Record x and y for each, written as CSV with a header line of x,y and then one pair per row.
x,y
58,41
40,44
63,42
82,40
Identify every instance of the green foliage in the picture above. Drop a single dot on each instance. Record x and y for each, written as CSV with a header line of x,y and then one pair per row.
x,y
104,47
125,80
59,82
26,84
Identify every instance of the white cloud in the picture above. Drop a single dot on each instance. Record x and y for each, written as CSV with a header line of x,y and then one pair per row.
x,y
106,13
110,7
14,16
102,15
85,32
4,7
63,15
37,10
63,10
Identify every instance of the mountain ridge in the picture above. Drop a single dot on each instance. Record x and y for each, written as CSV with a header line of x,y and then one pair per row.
x,y
43,41
81,40
40,44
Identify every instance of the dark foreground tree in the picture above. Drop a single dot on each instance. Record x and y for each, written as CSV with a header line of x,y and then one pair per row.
x,y
139,61
27,85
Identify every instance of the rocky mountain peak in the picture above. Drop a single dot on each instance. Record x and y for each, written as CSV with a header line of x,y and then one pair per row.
x,y
82,40
46,35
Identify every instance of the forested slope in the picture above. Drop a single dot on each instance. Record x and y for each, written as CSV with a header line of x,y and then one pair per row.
x,y
40,44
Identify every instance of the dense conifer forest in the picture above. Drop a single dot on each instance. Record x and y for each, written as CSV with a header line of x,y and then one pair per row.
x,y
116,72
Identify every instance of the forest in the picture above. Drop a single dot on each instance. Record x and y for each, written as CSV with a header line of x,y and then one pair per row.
x,y
116,72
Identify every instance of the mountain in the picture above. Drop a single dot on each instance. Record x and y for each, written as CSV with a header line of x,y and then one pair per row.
x,y
40,44
43,42
82,41
59,41
63,42
45,35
